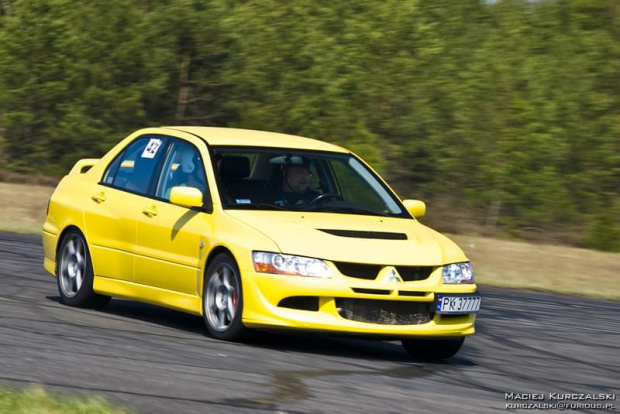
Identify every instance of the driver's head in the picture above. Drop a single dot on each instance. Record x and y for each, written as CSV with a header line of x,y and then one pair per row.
x,y
187,161
296,178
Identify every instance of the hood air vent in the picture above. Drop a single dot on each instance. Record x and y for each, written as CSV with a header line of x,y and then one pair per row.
x,y
366,234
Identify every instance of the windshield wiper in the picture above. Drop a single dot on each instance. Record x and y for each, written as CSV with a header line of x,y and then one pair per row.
x,y
347,209
255,206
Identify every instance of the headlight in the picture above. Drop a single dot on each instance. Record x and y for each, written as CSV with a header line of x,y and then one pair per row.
x,y
284,264
458,273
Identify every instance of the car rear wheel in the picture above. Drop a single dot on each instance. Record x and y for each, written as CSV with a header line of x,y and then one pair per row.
x,y
433,349
75,273
222,300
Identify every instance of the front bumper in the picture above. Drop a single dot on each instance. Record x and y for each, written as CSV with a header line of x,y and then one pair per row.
x,y
337,305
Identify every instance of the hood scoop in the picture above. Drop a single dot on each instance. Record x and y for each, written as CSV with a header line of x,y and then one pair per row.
x,y
382,235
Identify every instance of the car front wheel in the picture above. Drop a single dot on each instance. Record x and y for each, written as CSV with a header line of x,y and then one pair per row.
x,y
433,349
222,300
75,273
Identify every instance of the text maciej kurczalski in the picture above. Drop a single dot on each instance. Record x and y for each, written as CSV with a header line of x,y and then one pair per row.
x,y
558,396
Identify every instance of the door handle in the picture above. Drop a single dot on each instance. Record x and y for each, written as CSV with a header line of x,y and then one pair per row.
x,y
98,198
150,211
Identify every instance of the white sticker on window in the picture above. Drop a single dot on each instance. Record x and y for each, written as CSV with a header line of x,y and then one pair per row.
x,y
151,149
243,201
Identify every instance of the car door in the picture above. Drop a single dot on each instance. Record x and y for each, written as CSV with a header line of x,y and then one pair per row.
x,y
114,205
173,240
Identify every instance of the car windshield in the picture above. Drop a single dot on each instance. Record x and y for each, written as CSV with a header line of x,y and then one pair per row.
x,y
294,180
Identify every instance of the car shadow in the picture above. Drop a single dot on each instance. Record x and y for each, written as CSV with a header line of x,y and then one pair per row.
x,y
147,313
158,315
341,346
362,348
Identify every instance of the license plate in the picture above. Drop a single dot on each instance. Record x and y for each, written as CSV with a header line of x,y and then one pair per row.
x,y
458,304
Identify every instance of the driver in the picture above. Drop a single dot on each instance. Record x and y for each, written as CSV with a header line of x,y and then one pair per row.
x,y
295,189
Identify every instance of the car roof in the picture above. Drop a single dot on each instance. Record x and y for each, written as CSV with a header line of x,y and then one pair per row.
x,y
252,138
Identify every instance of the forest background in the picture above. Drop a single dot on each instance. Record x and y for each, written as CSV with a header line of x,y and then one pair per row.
x,y
503,115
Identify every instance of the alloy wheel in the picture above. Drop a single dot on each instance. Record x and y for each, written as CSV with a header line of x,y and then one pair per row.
x,y
222,301
72,269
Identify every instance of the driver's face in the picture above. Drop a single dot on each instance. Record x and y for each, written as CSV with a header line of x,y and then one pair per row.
x,y
297,178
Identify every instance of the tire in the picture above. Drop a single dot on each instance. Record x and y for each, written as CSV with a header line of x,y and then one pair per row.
x,y
75,273
432,349
222,300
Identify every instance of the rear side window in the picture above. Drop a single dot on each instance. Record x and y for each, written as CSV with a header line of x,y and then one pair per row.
x,y
134,168
183,167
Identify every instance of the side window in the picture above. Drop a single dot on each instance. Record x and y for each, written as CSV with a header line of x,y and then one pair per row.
x,y
133,169
110,173
315,179
354,188
183,167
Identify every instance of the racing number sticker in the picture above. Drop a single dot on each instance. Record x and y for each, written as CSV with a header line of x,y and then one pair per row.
x,y
151,149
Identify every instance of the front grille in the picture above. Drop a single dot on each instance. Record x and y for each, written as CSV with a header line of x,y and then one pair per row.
x,y
370,271
384,312
408,293
372,291
411,273
360,271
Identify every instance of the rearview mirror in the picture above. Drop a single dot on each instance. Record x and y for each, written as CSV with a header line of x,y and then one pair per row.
x,y
186,196
416,208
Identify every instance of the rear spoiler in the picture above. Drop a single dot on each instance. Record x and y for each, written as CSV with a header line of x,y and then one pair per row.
x,y
83,165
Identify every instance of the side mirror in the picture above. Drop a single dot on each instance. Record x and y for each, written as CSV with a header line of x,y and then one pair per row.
x,y
416,208
186,196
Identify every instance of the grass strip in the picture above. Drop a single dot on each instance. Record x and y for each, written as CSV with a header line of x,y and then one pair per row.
x,y
35,400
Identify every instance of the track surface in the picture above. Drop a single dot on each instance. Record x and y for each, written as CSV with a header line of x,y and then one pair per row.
x,y
154,360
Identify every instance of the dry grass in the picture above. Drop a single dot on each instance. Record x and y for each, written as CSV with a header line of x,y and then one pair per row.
x,y
35,179
22,207
497,262
543,267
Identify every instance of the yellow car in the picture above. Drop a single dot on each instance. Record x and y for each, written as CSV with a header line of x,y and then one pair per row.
x,y
256,229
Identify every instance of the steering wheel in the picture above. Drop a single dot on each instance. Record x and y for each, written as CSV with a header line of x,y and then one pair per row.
x,y
327,196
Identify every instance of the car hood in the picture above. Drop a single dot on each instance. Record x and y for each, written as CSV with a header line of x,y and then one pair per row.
x,y
353,238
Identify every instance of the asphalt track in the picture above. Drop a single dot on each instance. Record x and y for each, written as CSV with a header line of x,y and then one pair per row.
x,y
154,360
